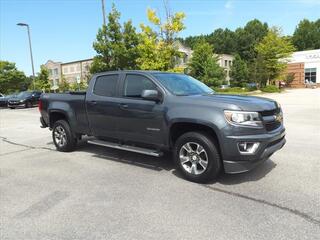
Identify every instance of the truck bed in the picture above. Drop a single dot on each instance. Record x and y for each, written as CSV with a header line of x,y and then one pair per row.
x,y
74,105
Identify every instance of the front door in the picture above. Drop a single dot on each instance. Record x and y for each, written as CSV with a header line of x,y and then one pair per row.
x,y
140,120
103,106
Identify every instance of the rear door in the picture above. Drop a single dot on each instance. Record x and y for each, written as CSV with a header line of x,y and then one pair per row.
x,y
102,104
140,120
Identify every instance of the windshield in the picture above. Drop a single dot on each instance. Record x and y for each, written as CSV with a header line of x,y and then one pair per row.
x,y
23,94
182,85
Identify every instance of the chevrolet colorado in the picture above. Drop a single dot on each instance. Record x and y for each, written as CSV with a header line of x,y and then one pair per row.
x,y
150,112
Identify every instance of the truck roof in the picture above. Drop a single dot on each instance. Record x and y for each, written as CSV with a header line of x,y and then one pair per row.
x,y
133,71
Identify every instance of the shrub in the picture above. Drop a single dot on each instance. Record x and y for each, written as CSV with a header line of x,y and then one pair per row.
x,y
270,89
232,90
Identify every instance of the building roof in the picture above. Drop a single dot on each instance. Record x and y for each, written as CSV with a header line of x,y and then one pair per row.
x,y
82,60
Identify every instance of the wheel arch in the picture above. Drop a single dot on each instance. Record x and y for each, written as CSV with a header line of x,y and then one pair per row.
x,y
178,128
55,115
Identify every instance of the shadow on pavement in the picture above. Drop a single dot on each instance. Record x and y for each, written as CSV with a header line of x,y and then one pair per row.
x,y
254,175
154,163
166,163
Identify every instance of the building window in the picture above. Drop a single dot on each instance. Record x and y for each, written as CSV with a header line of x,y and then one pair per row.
x,y
55,71
71,69
78,68
65,70
226,63
55,82
230,63
310,75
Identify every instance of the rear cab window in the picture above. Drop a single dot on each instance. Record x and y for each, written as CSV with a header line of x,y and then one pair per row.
x,y
106,85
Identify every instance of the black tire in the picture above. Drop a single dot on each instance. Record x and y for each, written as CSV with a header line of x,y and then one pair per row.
x,y
211,153
28,105
11,107
69,143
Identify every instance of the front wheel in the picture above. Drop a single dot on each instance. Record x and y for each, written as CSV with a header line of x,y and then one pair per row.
x,y
197,157
62,136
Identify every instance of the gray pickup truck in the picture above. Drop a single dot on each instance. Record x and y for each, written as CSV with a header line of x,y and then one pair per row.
x,y
152,112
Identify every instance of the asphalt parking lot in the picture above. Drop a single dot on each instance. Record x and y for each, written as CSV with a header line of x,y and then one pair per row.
x,y
100,193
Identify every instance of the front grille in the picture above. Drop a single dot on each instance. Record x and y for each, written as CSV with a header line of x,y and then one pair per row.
x,y
270,112
272,119
270,126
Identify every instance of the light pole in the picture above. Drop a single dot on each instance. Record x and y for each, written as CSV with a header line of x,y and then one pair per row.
x,y
26,25
103,13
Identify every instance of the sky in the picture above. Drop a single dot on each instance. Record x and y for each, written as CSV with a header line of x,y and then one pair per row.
x,y
64,30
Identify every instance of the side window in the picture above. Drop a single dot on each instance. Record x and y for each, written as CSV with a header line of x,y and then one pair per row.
x,y
134,85
106,85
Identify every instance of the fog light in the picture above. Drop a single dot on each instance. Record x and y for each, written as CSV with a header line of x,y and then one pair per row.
x,y
248,147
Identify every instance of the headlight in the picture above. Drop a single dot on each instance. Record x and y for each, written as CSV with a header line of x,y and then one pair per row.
x,y
21,101
249,119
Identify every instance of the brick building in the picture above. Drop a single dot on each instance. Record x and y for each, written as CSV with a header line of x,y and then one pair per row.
x,y
305,66
69,70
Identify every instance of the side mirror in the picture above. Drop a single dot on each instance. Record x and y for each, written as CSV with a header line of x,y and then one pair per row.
x,y
152,95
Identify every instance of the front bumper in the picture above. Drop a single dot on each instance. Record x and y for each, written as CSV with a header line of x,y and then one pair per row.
x,y
16,104
234,162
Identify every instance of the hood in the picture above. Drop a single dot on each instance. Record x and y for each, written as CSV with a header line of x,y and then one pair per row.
x,y
245,103
15,98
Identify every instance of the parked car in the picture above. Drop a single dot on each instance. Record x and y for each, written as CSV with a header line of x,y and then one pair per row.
x,y
252,85
152,112
224,86
24,99
4,99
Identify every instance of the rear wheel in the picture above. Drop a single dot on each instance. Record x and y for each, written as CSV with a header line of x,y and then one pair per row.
x,y
197,157
62,136
28,105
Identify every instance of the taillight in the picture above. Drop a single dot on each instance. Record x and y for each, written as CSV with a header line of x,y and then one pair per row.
x,y
40,105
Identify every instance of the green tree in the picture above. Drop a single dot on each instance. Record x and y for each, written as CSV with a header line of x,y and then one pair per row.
x,y
223,40
11,79
239,72
131,41
42,80
156,45
63,84
204,66
307,35
248,37
273,51
192,41
116,45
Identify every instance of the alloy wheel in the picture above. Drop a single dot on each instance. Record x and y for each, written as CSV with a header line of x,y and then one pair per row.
x,y
193,158
60,136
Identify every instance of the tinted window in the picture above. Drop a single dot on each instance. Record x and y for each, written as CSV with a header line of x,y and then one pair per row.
x,y
180,84
135,84
24,94
106,86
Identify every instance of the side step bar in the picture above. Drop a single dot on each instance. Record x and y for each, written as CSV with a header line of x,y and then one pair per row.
x,y
145,151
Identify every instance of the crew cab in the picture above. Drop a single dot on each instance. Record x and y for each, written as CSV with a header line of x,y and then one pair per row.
x,y
151,112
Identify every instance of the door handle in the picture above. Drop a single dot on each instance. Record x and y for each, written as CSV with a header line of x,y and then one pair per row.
x,y
123,105
93,102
